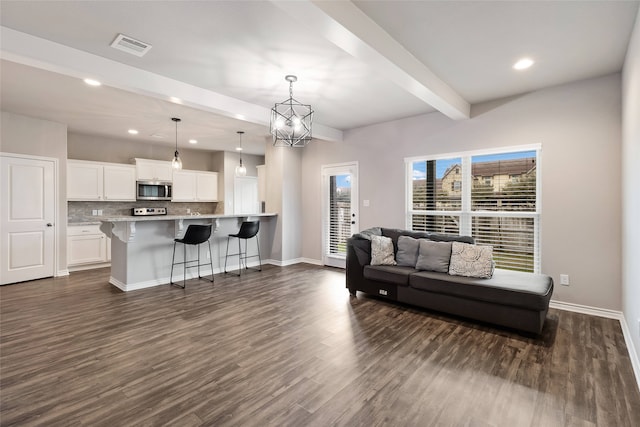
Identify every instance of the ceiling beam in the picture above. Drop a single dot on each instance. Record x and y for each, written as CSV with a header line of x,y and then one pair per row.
x,y
346,26
47,55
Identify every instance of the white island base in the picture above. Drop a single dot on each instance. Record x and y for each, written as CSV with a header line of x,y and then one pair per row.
x,y
142,246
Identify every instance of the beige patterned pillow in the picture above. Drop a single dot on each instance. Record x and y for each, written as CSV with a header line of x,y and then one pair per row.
x,y
471,260
382,251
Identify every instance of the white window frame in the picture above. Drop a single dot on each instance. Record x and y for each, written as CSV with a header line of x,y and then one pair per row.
x,y
466,215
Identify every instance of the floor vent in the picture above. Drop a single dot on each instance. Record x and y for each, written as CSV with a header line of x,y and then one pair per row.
x,y
130,45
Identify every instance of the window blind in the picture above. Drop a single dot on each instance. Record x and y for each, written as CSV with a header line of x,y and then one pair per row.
x,y
493,197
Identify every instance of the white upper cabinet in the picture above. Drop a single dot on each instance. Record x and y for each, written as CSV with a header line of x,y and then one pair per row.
x,y
153,170
184,186
85,180
207,186
96,181
119,182
195,186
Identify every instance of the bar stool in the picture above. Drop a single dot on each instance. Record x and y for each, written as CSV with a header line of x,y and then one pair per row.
x,y
248,229
195,235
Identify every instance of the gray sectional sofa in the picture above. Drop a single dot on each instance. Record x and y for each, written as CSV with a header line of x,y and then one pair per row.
x,y
509,298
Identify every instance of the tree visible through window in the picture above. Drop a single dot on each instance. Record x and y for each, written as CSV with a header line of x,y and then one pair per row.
x,y
492,197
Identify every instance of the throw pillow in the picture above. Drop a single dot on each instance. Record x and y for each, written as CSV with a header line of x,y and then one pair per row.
x,y
471,260
407,251
434,256
382,251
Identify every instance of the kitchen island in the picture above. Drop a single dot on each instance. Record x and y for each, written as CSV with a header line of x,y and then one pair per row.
x,y
142,246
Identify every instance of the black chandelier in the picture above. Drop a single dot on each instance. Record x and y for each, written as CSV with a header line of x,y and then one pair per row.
x,y
291,121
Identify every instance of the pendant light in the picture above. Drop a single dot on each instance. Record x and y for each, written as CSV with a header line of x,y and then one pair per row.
x,y
241,170
176,163
291,120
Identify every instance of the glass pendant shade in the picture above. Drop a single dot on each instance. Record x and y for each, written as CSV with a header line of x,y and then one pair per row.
x,y
176,163
241,170
291,121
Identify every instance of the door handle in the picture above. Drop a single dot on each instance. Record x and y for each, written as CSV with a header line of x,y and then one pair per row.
x,y
353,222
49,224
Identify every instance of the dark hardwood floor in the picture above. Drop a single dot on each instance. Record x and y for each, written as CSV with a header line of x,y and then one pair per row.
x,y
289,346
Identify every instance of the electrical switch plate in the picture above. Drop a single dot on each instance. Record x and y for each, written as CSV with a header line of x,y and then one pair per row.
x,y
564,279
100,212
94,212
365,203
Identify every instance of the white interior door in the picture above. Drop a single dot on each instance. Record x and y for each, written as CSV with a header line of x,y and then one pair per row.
x,y
27,237
339,211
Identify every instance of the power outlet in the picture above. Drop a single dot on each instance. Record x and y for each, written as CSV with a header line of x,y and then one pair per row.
x,y
94,212
100,212
564,279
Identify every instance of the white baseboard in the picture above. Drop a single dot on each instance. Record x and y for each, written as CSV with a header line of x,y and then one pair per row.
x,y
293,261
89,266
177,277
585,309
61,273
609,314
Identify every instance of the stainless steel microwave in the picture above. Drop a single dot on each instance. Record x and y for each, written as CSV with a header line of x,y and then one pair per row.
x,y
153,190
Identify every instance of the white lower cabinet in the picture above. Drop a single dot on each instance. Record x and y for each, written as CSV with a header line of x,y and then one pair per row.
x,y
87,247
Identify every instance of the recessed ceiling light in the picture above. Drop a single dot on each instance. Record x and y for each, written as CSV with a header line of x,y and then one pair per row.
x,y
523,64
92,82
193,141
133,131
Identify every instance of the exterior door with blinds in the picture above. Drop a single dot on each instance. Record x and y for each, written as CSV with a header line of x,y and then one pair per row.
x,y
340,211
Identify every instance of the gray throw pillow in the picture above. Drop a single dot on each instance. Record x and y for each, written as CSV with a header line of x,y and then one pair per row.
x,y
471,260
382,251
408,248
434,256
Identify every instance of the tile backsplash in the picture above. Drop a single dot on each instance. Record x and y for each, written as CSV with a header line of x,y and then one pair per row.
x,y
82,211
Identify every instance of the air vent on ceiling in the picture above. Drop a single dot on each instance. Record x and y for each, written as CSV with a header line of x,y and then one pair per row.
x,y
130,45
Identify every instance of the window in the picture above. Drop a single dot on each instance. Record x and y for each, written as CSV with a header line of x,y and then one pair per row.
x,y
492,196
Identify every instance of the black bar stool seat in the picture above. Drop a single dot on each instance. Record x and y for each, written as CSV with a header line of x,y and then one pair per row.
x,y
195,235
248,230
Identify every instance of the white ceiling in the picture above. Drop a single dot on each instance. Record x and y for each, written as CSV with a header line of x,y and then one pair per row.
x,y
357,63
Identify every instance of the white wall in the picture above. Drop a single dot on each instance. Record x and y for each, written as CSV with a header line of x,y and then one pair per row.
x,y
631,186
27,135
578,125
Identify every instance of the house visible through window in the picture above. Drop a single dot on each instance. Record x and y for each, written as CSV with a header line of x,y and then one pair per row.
x,y
492,196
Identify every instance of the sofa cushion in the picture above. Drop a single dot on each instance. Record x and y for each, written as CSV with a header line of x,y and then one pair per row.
x,y
515,288
390,274
408,249
471,260
394,233
366,234
382,251
434,256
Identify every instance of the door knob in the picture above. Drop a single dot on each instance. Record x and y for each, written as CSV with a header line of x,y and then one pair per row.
x,y
49,224
353,222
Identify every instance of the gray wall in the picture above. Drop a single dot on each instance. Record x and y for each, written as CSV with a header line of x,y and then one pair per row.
x,y
112,150
631,187
578,125
27,135
105,149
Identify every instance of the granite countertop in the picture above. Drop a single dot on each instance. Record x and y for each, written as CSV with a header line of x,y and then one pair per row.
x,y
131,218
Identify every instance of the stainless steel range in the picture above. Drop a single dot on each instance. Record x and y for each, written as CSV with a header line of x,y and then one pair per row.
x,y
149,211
